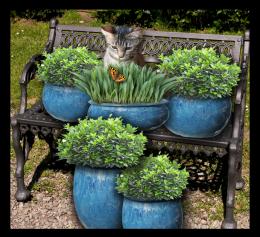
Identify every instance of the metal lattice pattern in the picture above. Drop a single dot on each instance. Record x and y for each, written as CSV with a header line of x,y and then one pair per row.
x,y
206,172
152,46
41,131
93,41
183,148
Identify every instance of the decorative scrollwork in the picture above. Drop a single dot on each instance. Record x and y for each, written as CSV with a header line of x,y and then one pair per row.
x,y
56,132
155,46
34,129
24,128
92,40
183,148
45,131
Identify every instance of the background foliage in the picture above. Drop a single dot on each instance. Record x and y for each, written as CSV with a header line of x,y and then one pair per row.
x,y
36,14
180,19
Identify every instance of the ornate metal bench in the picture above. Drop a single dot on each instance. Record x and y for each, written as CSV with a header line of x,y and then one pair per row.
x,y
211,162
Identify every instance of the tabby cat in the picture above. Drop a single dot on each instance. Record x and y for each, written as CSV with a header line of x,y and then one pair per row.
x,y
123,45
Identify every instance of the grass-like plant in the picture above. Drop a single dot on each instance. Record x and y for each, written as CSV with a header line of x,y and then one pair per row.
x,y
200,73
141,84
155,178
101,143
56,68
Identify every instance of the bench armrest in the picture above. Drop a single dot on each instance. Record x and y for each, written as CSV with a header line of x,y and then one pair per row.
x,y
27,75
30,69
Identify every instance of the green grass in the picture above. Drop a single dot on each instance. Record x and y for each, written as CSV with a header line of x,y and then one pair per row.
x,y
44,185
70,17
27,38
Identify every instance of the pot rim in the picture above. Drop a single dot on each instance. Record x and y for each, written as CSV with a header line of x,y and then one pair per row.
x,y
198,98
163,101
150,200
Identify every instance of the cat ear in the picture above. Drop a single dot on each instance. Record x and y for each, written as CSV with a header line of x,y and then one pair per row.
x,y
136,33
109,33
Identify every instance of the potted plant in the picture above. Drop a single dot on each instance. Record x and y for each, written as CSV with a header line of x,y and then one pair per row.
x,y
152,194
99,148
129,91
60,97
200,105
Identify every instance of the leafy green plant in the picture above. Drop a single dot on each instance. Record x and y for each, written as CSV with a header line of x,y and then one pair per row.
x,y
56,68
141,85
101,143
155,178
200,73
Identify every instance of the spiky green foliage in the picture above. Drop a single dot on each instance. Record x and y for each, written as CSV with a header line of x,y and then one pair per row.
x,y
200,73
155,178
142,85
101,143
56,68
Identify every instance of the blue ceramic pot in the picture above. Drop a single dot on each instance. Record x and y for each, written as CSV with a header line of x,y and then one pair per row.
x,y
198,118
65,103
143,116
97,203
152,215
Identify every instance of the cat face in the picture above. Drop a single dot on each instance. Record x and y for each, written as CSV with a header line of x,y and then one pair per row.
x,y
122,42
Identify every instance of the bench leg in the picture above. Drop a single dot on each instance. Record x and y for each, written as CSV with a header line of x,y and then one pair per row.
x,y
22,194
240,183
229,221
27,145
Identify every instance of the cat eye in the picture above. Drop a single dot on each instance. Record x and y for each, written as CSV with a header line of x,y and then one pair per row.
x,y
114,47
127,48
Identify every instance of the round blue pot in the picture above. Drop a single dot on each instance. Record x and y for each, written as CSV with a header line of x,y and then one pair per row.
x,y
152,215
143,116
97,203
198,118
67,104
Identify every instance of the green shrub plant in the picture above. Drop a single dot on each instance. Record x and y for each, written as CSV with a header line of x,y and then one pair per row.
x,y
200,73
100,143
155,178
56,68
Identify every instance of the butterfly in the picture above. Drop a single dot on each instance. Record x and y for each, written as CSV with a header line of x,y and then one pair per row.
x,y
116,76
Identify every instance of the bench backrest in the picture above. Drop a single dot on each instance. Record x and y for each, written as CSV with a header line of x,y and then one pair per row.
x,y
154,44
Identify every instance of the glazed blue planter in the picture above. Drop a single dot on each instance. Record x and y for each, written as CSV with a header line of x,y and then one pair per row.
x,y
67,104
152,215
97,203
143,116
198,118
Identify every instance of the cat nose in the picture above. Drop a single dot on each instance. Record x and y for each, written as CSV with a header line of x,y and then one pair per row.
x,y
121,53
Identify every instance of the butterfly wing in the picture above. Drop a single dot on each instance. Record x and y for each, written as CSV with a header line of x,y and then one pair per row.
x,y
120,78
113,72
